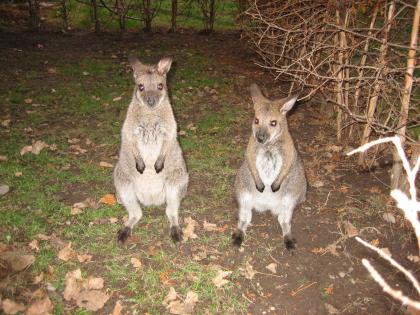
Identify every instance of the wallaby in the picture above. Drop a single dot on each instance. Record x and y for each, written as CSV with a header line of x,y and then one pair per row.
x,y
151,169
272,176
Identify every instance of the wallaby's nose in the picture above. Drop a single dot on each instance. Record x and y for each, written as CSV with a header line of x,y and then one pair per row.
x,y
261,137
151,101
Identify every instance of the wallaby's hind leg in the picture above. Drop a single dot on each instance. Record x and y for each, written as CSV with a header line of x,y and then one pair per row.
x,y
285,217
173,201
245,217
128,198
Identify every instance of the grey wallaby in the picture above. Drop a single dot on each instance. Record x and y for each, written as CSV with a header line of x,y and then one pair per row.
x,y
272,176
151,169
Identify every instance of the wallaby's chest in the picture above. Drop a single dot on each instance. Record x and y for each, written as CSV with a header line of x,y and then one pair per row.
x,y
268,163
149,136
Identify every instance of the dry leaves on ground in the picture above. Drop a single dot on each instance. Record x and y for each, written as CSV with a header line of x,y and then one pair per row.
x,y
135,262
11,307
210,227
189,229
35,148
41,307
219,280
106,164
175,306
249,271
272,267
66,253
17,260
117,308
351,230
108,199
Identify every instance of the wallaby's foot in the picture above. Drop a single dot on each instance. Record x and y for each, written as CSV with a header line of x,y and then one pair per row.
x,y
123,234
275,187
140,166
176,234
159,165
260,187
289,242
237,238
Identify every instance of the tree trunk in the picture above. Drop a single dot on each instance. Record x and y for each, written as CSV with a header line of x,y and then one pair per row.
x,y
147,15
34,18
396,173
64,15
174,8
96,17
121,15
212,15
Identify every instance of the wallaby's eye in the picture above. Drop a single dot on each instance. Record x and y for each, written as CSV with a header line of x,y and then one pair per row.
x,y
141,87
273,123
256,121
160,86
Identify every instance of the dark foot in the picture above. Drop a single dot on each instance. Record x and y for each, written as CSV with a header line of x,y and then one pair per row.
x,y
140,166
260,187
123,234
237,238
176,234
275,187
290,243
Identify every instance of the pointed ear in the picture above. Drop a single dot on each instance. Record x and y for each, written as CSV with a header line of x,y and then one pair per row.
x,y
287,103
135,63
256,94
164,65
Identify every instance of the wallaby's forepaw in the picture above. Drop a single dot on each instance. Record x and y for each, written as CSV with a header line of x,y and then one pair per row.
x,y
260,187
140,166
159,164
237,238
123,234
275,187
290,243
176,234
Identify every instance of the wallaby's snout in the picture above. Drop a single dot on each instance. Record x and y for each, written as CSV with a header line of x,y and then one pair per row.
x,y
150,98
261,136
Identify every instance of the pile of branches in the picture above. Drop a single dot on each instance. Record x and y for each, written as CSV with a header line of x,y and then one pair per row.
x,y
357,56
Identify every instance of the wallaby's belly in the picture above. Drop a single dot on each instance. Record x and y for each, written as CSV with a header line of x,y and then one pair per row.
x,y
268,166
150,188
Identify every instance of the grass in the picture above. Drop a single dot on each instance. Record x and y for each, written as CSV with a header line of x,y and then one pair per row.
x,y
77,105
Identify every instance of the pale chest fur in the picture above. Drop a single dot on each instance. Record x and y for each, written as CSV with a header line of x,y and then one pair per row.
x,y
268,163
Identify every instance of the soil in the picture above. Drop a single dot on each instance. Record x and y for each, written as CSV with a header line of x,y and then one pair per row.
x,y
311,279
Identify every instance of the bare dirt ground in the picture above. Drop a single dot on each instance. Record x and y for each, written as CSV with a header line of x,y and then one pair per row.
x,y
324,274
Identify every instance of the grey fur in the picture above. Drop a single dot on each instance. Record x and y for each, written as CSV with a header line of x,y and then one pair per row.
x,y
151,169
272,176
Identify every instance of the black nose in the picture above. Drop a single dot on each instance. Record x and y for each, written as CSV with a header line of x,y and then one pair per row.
x,y
150,101
261,137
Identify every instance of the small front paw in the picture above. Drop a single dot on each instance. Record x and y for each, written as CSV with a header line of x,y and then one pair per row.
x,y
123,234
275,187
159,165
237,238
290,243
260,187
176,234
140,166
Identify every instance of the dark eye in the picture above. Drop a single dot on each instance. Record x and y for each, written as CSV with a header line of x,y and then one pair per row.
x,y
160,86
273,123
141,87
256,121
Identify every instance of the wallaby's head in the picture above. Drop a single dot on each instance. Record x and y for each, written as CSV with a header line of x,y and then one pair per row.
x,y
150,81
270,115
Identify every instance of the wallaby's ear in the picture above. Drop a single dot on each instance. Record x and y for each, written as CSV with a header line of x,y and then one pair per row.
x,y
135,63
256,94
164,65
287,103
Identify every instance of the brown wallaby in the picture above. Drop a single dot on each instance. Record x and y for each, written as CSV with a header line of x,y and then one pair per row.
x,y
151,169
272,176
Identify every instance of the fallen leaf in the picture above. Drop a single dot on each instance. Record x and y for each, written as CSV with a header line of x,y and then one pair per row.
x,y
375,242
331,309
38,279
66,253
41,307
182,133
113,220
92,300
28,101
106,164
413,258
34,245
35,148
171,296
135,262
351,230
108,199
17,260
249,272
210,227
43,237
11,307
117,308
374,190
93,283
344,189
318,184
73,284
272,267
188,231
219,280
75,211
332,249
3,158
329,290
389,217
18,174
4,189
186,307
52,70
84,258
